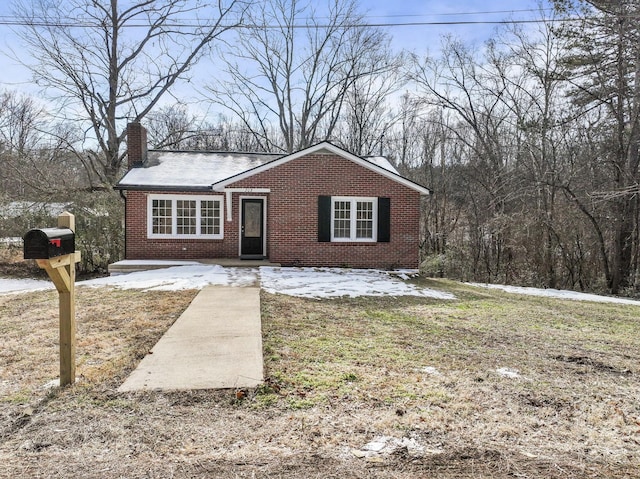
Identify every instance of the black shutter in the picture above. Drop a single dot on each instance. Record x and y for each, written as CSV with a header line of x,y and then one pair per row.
x,y
384,220
324,219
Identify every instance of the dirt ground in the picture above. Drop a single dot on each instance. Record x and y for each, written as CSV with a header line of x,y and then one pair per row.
x,y
488,386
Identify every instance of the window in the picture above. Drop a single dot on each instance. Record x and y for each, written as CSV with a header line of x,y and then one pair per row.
x,y
353,219
210,217
342,219
161,214
186,217
173,216
364,219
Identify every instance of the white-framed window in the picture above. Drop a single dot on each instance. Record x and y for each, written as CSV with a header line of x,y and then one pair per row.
x,y
354,218
178,216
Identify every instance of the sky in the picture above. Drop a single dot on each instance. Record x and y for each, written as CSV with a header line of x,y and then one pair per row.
x,y
456,14
415,38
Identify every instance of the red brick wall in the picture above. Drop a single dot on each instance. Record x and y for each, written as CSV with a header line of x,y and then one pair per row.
x,y
292,218
138,246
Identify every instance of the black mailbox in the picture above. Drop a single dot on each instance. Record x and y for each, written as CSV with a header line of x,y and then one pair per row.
x,y
48,243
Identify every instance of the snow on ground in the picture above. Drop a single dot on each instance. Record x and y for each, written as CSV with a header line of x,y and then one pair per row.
x,y
386,445
193,276
508,373
302,282
334,282
11,241
20,285
157,262
557,293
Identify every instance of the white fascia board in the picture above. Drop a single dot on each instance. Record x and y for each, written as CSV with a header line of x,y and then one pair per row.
x,y
241,190
332,149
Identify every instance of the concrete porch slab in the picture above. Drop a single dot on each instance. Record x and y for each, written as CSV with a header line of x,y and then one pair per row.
x,y
131,266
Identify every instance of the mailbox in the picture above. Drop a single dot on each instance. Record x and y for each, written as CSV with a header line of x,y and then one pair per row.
x,y
48,243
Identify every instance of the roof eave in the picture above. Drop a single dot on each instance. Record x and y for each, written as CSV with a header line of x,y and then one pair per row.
x,y
197,188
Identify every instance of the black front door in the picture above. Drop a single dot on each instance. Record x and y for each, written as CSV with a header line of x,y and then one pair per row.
x,y
252,228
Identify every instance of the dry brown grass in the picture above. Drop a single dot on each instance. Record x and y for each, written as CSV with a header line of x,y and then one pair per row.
x,y
340,372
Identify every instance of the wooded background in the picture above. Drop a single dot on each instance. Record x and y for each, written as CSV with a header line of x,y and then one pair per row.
x,y
529,142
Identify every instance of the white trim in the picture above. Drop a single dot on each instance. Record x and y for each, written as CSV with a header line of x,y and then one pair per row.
x,y
229,199
247,190
264,222
354,220
319,148
174,198
228,196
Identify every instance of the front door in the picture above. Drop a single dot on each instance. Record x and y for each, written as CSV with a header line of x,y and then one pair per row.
x,y
252,228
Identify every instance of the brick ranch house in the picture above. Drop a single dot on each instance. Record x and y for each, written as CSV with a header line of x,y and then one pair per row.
x,y
321,206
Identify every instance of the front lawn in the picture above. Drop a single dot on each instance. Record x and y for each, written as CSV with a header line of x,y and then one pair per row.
x,y
488,385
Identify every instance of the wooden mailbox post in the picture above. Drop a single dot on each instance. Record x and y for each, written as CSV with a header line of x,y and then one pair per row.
x,y
62,271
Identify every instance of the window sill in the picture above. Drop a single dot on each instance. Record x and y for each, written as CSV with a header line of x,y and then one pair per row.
x,y
352,242
185,238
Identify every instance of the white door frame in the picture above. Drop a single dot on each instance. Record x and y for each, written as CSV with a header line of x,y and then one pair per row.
x,y
264,222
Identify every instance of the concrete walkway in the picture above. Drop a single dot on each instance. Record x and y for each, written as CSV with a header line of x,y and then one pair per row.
x,y
215,344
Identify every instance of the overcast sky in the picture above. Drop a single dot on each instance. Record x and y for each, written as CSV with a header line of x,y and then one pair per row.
x,y
472,20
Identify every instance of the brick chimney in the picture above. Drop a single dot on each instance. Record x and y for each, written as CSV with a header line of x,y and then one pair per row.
x,y
136,145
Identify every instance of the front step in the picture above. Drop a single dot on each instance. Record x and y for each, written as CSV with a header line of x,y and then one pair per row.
x,y
131,266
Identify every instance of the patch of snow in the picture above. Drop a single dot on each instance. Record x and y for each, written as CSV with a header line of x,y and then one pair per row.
x,y
404,274
160,262
11,241
430,370
302,282
382,162
508,373
336,282
385,445
138,265
195,276
377,445
556,293
16,209
8,286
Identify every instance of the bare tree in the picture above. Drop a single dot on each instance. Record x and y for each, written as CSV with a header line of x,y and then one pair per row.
x,y
459,82
543,134
20,119
530,74
105,62
605,80
175,127
171,126
32,160
292,67
425,150
367,115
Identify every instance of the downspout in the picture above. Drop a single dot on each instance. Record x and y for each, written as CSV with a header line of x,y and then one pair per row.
x,y
124,229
